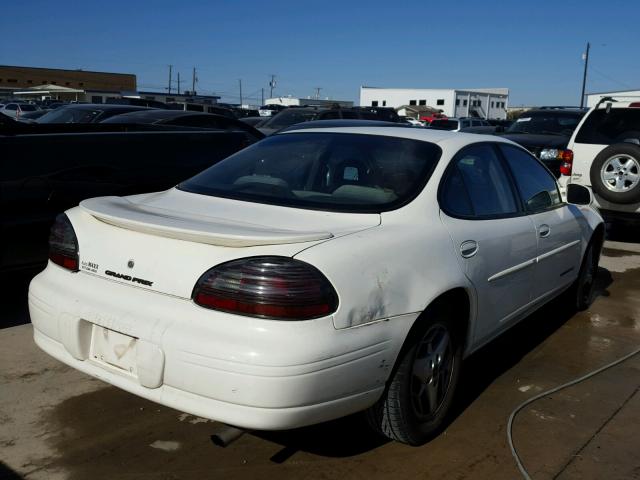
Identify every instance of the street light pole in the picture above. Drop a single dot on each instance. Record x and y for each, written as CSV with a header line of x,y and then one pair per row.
x,y
584,76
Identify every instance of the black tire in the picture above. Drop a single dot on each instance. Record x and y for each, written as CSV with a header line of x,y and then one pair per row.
x,y
581,293
398,414
624,190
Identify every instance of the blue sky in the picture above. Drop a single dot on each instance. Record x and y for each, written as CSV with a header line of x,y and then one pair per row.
x,y
534,48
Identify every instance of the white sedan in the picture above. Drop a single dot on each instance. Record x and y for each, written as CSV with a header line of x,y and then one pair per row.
x,y
317,273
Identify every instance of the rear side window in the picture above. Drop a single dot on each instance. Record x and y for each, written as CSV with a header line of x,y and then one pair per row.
x,y
537,186
477,172
602,128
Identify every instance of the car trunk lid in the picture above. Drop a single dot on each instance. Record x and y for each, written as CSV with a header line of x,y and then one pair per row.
x,y
166,241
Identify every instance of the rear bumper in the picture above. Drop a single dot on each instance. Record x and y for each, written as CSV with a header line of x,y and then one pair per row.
x,y
252,373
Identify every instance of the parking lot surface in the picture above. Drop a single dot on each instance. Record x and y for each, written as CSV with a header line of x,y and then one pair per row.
x,y
57,423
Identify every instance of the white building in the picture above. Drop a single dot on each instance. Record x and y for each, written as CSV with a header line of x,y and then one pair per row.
x,y
290,101
621,95
469,102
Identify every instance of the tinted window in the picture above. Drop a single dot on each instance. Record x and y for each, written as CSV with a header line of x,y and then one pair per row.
x,y
327,171
11,106
486,181
604,128
538,188
547,123
455,199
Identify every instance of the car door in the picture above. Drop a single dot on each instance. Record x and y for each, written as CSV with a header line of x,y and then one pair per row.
x,y
556,223
494,241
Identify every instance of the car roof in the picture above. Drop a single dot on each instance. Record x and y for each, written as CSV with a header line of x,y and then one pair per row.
x,y
342,123
396,130
103,106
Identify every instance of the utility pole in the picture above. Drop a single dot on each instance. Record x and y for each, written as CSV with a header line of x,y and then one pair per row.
x,y
317,89
272,84
240,83
585,57
178,83
193,82
169,87
262,103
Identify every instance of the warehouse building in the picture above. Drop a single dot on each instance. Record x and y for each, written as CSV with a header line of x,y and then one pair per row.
x,y
12,77
489,103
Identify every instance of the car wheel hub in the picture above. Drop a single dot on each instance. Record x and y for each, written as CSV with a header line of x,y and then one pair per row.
x,y
620,173
431,373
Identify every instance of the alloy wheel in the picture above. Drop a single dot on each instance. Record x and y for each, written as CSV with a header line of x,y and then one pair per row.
x,y
432,371
620,173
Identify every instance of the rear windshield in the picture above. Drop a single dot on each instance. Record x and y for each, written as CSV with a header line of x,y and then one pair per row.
x,y
323,171
28,108
547,123
602,128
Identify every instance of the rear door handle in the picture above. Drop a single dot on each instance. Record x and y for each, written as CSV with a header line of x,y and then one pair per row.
x,y
544,230
468,248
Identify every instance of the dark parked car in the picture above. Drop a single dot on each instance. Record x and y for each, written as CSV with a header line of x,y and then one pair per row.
x,y
253,121
289,117
204,108
294,115
182,118
33,116
86,113
139,102
545,133
44,173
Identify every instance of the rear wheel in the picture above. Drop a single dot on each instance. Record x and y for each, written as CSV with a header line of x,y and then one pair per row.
x,y
421,388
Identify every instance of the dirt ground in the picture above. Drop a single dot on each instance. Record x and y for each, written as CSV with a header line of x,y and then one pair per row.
x,y
56,423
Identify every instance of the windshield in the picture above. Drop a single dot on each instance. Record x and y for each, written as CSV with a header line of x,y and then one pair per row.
x,y
289,117
26,107
554,123
70,115
324,171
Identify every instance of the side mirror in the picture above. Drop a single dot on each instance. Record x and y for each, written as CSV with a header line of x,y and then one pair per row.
x,y
578,194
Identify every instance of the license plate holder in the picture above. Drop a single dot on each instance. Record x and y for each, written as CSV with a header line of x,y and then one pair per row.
x,y
114,349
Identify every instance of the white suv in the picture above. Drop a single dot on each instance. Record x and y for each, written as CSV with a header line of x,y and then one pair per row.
x,y
606,157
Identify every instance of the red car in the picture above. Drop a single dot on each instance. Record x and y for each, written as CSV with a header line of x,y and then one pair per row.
x,y
430,117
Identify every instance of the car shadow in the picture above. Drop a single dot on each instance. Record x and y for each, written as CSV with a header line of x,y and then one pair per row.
x,y
351,436
503,353
344,437
623,232
13,296
7,474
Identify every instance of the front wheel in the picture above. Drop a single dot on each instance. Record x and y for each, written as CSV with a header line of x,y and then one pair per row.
x,y
582,291
421,388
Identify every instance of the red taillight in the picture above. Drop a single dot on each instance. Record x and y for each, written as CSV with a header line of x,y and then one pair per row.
x,y
63,244
269,287
634,105
567,162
